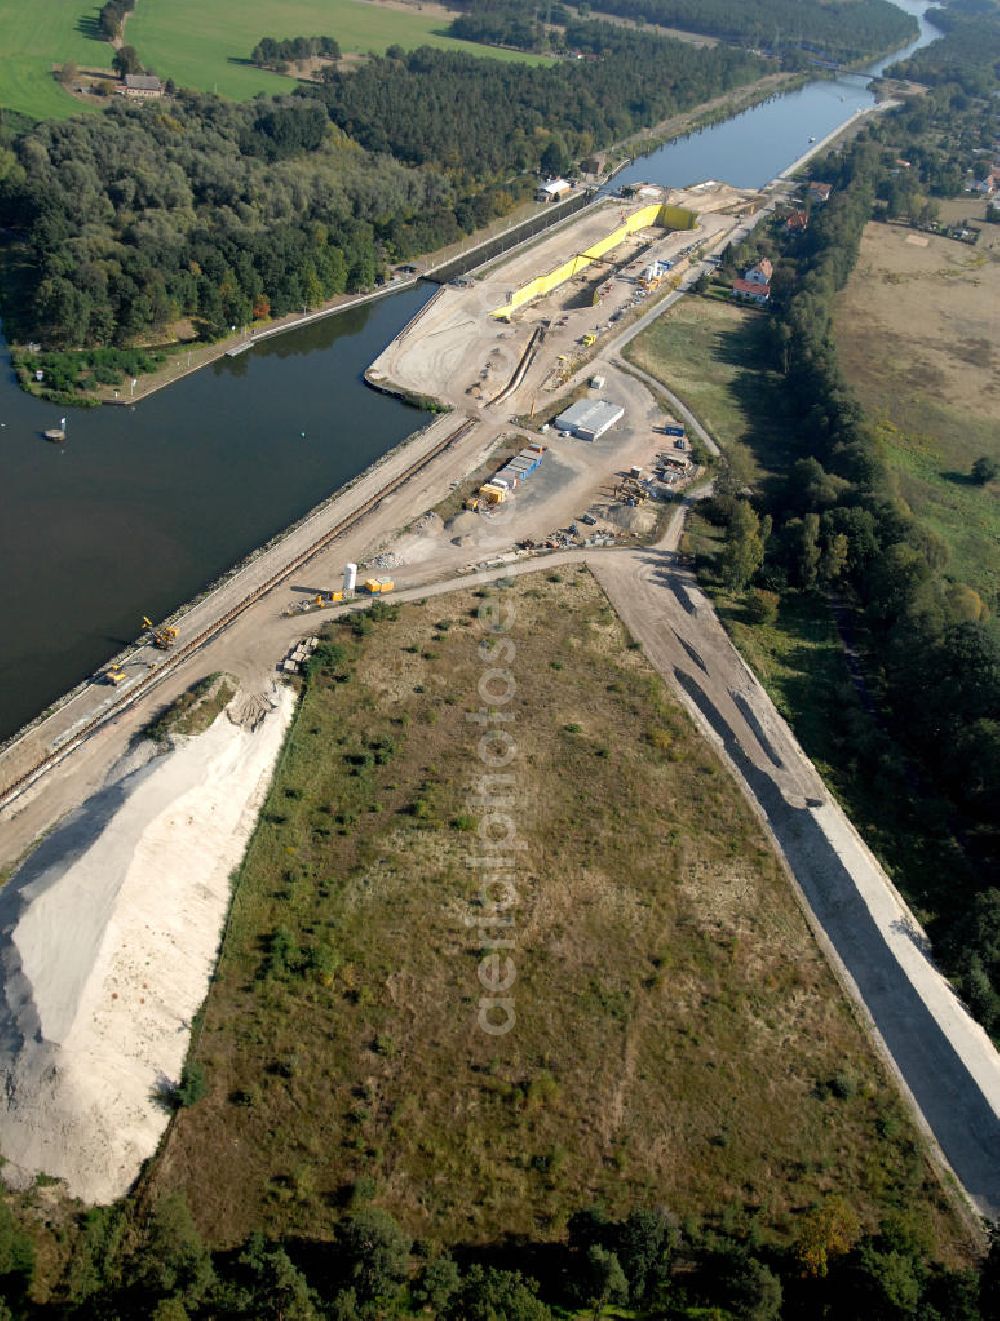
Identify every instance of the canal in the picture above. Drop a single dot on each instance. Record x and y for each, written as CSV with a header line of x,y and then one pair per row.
x,y
140,508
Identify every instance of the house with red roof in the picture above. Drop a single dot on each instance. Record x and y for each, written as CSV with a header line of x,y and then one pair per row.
x,y
751,291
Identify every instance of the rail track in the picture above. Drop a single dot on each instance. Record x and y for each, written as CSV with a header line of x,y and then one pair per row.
x,y
177,658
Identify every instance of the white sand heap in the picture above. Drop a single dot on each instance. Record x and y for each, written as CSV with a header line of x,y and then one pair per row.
x,y
108,937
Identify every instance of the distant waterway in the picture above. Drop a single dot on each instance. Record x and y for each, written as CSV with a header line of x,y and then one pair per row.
x,y
140,508
753,148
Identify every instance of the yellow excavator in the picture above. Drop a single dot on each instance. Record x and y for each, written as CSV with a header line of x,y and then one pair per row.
x,y
163,637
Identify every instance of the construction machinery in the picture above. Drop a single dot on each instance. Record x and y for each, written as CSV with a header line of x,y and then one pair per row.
x,y
163,636
114,675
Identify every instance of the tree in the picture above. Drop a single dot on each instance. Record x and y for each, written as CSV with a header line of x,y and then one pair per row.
x,y
555,160
375,1252
126,61
826,1232
743,552
802,536
489,1295
193,1085
174,1261
606,1282
438,1283
68,74
643,1243
833,560
985,470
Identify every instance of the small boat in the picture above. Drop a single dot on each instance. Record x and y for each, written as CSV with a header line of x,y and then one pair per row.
x,y
812,139
56,433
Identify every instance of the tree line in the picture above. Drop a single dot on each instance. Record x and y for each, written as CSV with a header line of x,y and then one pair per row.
x,y
841,30
119,1262
225,213
837,524
111,19
272,53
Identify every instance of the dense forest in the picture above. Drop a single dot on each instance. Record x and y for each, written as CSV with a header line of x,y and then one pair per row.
x,y
492,119
968,55
225,213
119,1263
840,30
836,524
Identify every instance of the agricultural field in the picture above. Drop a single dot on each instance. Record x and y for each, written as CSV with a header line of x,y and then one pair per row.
x,y
34,38
662,964
208,46
917,339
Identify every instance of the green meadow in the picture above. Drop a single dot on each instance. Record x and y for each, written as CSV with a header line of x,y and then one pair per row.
x,y
205,46
208,46
34,38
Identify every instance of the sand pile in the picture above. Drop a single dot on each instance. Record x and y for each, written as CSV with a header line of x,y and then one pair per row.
x,y
108,936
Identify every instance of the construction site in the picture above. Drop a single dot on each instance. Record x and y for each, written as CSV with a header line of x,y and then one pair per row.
x,y
552,447
480,339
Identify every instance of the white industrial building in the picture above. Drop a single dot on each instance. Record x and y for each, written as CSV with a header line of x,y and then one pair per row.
x,y
552,191
588,419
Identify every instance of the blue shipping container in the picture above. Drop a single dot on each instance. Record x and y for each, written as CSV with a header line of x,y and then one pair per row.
x,y
673,431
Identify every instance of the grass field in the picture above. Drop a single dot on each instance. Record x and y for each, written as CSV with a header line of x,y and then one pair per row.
x,y
917,339
33,38
710,353
679,1038
207,45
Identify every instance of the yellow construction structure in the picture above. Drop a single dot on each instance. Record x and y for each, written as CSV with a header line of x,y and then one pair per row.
x,y
379,586
662,215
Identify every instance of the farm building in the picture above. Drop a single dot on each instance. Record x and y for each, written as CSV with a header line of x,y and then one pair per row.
x,y
142,86
588,419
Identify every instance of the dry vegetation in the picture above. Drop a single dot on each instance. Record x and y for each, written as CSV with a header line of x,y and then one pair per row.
x,y
679,1037
194,710
917,339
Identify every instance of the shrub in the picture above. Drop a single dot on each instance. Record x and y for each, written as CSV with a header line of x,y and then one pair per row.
x,y
762,606
192,1086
